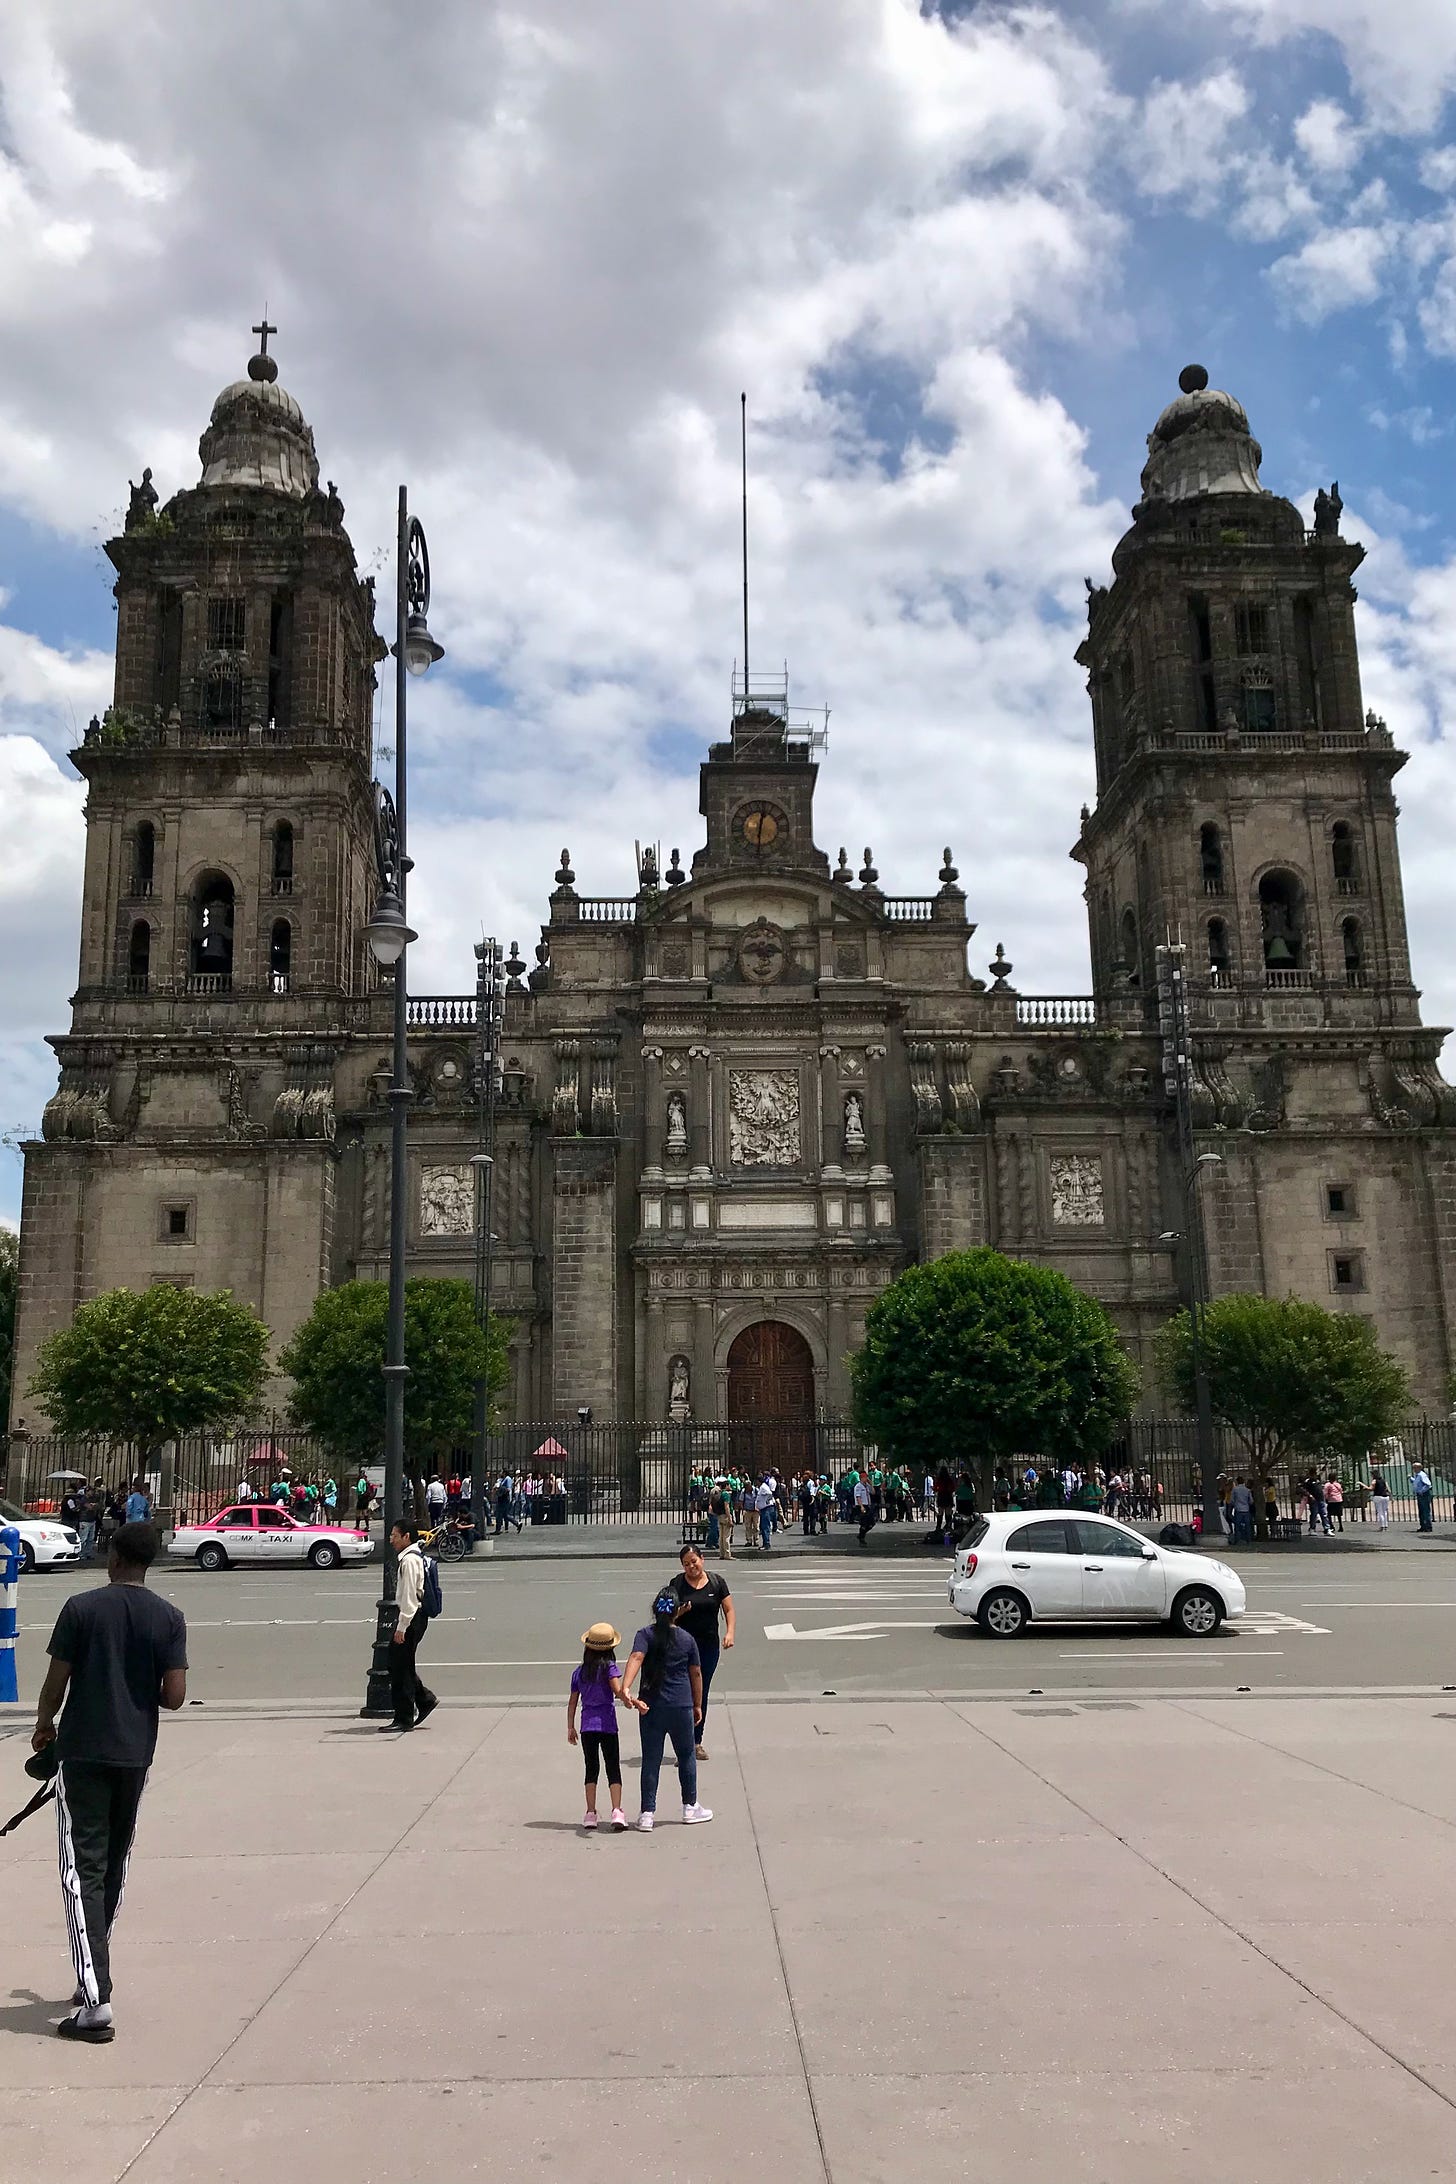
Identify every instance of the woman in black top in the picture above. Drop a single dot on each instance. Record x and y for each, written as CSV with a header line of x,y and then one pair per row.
x,y
703,1598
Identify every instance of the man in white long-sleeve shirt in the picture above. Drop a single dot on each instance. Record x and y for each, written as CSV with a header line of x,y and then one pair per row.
x,y
412,1702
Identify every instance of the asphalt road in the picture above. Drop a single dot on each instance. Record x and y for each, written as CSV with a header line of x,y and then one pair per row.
x,y
852,1626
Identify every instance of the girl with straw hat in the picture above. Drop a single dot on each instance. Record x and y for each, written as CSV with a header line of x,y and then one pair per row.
x,y
595,1688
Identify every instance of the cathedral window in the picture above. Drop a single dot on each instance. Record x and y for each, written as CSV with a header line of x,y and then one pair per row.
x,y
1251,629
1343,858
227,624
283,858
280,647
1220,970
144,859
1201,627
1259,714
139,957
1354,952
169,650
280,955
1340,1202
175,1222
1281,920
222,701
1347,1270
1210,858
1131,955
210,945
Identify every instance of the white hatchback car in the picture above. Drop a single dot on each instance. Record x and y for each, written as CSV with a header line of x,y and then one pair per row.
x,y
44,1541
1058,1566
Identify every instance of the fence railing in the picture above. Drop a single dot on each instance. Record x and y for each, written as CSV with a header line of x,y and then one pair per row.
x,y
641,1472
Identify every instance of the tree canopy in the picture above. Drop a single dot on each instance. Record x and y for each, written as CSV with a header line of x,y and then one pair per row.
x,y
9,1265
336,1363
976,1358
145,1366
1290,1379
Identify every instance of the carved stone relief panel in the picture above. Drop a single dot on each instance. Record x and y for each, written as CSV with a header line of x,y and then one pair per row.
x,y
447,1201
1077,1197
763,1118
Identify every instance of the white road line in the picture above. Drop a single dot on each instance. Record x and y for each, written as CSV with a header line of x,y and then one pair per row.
x,y
1175,1657
432,1664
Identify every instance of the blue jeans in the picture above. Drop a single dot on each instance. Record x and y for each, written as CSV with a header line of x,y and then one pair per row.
x,y
765,1527
714,1535
1425,1503
657,1725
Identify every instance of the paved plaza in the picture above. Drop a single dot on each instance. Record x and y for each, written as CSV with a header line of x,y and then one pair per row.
x,y
1067,1942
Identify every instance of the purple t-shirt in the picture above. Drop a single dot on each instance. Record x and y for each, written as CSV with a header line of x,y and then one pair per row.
x,y
598,1707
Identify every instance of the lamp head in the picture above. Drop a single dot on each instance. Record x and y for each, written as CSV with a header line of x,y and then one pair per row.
x,y
420,648
388,933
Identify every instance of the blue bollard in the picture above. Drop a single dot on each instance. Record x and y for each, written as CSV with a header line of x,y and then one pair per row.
x,y
9,1587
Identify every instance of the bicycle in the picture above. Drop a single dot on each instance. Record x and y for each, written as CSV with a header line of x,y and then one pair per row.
x,y
450,1541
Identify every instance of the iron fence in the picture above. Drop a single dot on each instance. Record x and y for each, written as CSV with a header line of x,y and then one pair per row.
x,y
643,1472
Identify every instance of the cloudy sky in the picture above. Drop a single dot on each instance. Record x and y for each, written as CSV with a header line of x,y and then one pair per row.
x,y
525,257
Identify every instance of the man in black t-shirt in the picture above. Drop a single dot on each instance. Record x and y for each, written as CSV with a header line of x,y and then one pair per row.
x,y
118,1654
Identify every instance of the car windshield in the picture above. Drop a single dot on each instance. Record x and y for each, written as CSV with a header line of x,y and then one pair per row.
x,y
975,1533
10,1510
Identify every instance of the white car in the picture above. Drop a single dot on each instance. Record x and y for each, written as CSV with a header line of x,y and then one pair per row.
x,y
44,1541
1019,1567
257,1532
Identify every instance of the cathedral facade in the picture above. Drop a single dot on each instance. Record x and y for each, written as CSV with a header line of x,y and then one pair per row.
x,y
730,1108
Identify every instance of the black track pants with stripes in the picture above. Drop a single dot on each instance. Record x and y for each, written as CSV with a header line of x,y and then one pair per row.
x,y
96,1810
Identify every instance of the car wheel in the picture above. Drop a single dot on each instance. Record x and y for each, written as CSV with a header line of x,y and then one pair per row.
x,y
210,1556
325,1556
1197,1613
27,1558
1003,1615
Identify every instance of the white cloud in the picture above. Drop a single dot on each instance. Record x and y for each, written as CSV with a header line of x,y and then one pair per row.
x,y
1327,137
1181,146
1401,58
1335,269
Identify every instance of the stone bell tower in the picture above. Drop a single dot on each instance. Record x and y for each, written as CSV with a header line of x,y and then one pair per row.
x,y
227,881
1245,807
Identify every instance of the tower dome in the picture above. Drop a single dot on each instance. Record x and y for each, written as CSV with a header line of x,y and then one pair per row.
x,y
1201,444
257,435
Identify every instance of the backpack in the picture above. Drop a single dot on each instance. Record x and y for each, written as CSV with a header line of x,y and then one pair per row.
x,y
431,1594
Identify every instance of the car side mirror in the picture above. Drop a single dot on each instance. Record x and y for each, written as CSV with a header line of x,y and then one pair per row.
x,y
1150,1554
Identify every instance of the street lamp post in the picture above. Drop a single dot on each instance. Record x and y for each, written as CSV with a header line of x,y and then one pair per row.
x,y
389,935
1178,1083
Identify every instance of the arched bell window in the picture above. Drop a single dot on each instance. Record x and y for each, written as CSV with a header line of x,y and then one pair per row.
x,y
210,940
1210,858
1131,954
1343,859
139,957
1354,951
283,858
1220,968
144,859
280,955
1281,922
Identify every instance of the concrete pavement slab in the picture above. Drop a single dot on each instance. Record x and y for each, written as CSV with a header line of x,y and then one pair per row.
x,y
672,2129
561,2004
1194,2122
51,2132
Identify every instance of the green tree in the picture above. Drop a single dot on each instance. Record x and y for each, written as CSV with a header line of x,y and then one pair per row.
x,y
336,1363
977,1358
9,1266
1292,1381
145,1366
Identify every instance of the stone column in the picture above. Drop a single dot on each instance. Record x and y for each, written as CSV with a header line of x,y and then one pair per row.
x,y
875,1121
584,1276
700,1138
833,1111
652,1111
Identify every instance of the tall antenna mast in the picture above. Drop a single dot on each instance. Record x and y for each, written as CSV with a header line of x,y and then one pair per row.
x,y
743,406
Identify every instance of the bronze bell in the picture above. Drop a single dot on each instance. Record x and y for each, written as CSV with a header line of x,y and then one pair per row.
x,y
1278,955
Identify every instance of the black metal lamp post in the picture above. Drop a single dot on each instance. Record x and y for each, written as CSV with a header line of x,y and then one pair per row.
x,y
389,935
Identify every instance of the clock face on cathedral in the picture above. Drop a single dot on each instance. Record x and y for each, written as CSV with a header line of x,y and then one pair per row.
x,y
762,827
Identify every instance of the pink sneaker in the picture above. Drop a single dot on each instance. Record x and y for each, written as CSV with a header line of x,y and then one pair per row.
x,y
590,1821
619,1818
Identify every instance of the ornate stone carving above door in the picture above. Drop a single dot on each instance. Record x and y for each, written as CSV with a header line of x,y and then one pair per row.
x,y
1077,1198
447,1201
763,1118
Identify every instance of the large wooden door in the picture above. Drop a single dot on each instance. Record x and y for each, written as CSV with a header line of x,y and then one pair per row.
x,y
771,1398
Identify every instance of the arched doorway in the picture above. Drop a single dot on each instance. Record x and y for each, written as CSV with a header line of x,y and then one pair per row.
x,y
771,1398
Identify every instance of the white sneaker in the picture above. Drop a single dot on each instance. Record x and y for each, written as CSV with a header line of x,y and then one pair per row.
x,y
696,1812
645,1822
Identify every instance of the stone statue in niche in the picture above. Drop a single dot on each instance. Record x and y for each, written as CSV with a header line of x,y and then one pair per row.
x,y
854,1129
142,504
763,1118
677,1123
1077,1200
447,1201
679,1405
